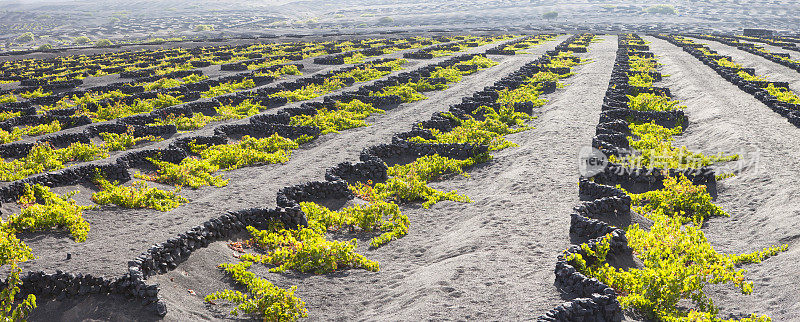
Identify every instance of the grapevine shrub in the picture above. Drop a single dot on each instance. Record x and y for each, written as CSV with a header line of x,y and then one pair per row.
x,y
247,152
490,131
264,299
410,182
371,217
361,74
412,91
120,109
407,93
230,87
8,98
172,82
39,92
12,252
306,250
641,64
138,195
43,157
311,90
17,133
191,172
8,115
655,148
783,94
346,116
528,92
652,102
124,141
678,260
225,112
641,80
43,210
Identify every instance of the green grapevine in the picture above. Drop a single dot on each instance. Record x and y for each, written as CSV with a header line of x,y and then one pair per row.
x,y
139,195
43,209
265,299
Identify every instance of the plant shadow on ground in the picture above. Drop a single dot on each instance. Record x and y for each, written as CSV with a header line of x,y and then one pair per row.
x,y
93,307
36,236
222,309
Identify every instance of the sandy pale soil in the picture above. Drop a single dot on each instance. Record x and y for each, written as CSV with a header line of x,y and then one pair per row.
x,y
462,244
761,199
